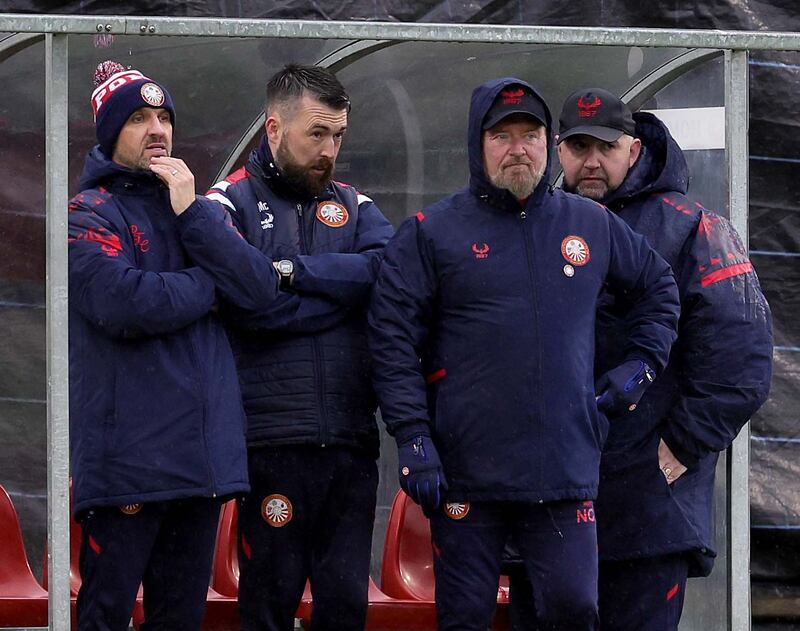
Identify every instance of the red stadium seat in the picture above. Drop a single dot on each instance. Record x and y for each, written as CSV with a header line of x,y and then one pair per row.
x,y
23,602
225,579
407,554
407,573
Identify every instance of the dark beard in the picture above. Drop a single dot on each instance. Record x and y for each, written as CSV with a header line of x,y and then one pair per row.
x,y
299,178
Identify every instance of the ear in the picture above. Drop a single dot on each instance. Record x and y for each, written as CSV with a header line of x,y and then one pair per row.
x,y
273,128
636,149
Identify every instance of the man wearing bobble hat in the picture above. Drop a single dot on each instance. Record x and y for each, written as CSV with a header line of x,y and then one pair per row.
x,y
157,426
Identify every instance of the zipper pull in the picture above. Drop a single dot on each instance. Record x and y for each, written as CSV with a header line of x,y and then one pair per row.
x,y
523,215
300,210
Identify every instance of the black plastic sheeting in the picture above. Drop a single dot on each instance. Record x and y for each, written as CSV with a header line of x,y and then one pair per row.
x,y
774,194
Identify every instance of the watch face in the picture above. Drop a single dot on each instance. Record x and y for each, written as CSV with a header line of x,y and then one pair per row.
x,y
285,267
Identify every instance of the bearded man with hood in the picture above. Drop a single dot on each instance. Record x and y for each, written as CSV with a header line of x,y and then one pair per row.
x,y
482,331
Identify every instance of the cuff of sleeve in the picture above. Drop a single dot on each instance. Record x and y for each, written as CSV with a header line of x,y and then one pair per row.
x,y
647,359
686,458
188,215
408,431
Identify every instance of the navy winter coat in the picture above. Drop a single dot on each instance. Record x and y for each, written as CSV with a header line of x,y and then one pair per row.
x,y
478,288
303,360
718,373
155,409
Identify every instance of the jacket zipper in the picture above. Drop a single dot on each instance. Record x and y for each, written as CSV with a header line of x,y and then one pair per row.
x,y
318,359
529,251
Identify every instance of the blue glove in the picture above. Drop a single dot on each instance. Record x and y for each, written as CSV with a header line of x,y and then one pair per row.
x,y
621,388
421,473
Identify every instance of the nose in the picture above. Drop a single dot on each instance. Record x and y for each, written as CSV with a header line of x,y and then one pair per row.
x,y
328,148
592,159
517,148
156,127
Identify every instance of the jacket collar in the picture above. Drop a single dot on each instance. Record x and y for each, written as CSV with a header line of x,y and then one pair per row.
x,y
263,166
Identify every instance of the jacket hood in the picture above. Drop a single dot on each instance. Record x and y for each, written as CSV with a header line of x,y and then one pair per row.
x,y
98,167
482,98
661,165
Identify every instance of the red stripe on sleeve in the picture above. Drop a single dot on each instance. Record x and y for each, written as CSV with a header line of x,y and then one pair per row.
x,y
94,545
726,272
435,376
671,593
420,216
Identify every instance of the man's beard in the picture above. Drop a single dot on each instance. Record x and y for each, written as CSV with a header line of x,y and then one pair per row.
x,y
520,184
596,192
299,177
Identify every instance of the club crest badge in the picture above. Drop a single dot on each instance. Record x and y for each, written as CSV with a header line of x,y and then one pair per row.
x,y
277,510
332,214
152,94
456,510
130,509
575,250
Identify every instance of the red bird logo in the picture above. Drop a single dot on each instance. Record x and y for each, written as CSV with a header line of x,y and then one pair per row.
x,y
588,109
512,97
481,252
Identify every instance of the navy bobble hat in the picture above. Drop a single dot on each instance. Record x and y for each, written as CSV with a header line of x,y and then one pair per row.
x,y
119,93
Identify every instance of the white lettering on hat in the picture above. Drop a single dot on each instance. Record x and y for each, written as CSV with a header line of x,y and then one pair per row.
x,y
102,92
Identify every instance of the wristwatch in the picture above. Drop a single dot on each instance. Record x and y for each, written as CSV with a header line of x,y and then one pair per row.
x,y
285,269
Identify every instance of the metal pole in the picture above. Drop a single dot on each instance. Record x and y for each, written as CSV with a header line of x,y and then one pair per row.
x,y
57,342
736,153
401,31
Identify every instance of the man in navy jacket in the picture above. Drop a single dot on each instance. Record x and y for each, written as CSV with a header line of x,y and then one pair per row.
x,y
654,508
304,364
156,420
482,331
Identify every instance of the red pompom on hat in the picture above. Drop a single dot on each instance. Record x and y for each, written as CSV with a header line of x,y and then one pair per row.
x,y
119,93
105,70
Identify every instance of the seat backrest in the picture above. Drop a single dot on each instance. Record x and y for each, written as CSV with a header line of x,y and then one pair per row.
x,y
407,555
225,578
14,567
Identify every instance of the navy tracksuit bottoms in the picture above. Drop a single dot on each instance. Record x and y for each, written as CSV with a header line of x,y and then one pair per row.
x,y
643,594
167,547
557,542
634,595
309,516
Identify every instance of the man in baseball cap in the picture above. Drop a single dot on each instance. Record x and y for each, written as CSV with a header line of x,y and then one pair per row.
x,y
502,441
654,506
596,119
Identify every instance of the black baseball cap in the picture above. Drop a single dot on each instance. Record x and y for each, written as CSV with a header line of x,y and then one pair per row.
x,y
514,99
595,112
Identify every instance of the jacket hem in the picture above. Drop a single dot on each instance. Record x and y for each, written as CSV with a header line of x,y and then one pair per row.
x,y
234,488
539,497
